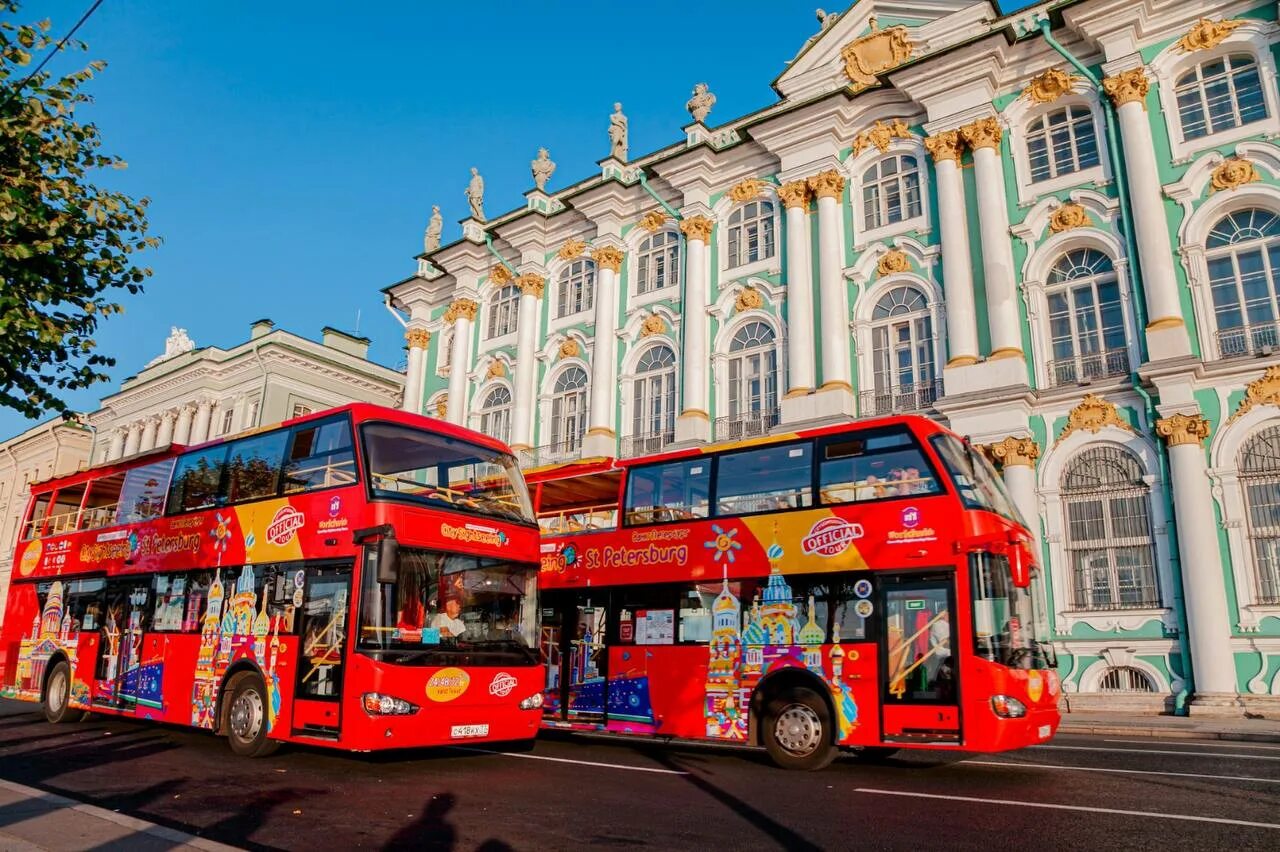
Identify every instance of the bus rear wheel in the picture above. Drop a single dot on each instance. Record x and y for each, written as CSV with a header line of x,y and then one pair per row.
x,y
57,695
797,730
247,718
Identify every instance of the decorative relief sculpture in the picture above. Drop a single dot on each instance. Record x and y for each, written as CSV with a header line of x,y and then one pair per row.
x,y
697,228
749,299
572,249
894,260
543,168
946,145
500,275
1183,429
795,194
1261,391
431,239
1092,415
1128,86
880,135
442,405
746,190
1068,216
654,221
618,134
570,348
496,369
653,324
1047,87
1233,173
699,106
1206,34
825,18
877,51
475,195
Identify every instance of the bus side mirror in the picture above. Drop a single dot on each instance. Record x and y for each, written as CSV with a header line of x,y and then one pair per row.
x,y
388,559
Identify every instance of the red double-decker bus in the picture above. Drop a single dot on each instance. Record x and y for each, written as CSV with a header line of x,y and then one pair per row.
x,y
360,578
866,586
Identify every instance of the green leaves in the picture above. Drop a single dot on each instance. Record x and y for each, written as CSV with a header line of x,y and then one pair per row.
x,y
66,245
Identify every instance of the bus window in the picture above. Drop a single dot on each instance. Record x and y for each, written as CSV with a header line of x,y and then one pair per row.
x,y
64,515
142,494
197,480
765,480
980,487
675,491
320,456
856,468
39,511
169,601
253,466
104,500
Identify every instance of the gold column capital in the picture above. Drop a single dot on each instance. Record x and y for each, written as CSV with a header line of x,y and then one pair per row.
x,y
418,338
608,257
461,309
795,194
1128,86
946,145
828,184
1013,451
531,284
697,228
983,133
1183,429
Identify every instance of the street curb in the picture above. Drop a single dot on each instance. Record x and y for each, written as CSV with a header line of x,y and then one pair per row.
x,y
1165,733
139,826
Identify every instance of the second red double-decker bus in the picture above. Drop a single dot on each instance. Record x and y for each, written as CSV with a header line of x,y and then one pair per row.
x,y
360,578
864,586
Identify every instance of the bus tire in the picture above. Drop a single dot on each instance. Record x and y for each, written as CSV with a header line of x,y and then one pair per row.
x,y
873,754
797,730
247,718
57,696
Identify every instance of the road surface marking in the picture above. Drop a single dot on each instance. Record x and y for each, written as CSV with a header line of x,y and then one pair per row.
x,y
1194,744
1123,771
1057,807
578,762
1160,751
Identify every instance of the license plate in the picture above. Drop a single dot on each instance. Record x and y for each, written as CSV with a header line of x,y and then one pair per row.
x,y
1044,732
460,732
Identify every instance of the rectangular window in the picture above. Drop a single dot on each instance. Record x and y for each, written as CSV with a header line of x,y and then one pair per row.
x,y
103,503
300,410
674,491
253,466
764,480
228,421
143,492
35,521
170,602
197,480
252,419
65,514
320,456
873,465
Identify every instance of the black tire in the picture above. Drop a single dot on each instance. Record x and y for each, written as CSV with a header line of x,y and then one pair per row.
x,y
246,719
56,700
797,730
873,754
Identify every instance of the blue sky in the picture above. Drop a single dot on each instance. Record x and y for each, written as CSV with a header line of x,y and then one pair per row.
x,y
292,151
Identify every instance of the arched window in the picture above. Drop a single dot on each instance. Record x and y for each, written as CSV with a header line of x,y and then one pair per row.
x,y
1086,319
1062,142
568,411
1108,531
890,191
653,413
753,382
1259,466
495,414
751,236
504,310
658,262
901,353
1243,255
1124,679
576,288
1218,95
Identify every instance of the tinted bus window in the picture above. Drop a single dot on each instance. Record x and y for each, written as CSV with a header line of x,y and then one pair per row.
x,y
320,456
142,495
674,491
765,480
856,468
253,466
197,480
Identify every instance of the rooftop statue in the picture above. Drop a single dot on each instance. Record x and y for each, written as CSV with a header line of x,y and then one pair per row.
x,y
543,168
475,194
431,240
699,106
618,134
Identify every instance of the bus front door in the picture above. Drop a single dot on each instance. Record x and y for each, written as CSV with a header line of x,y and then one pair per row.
x,y
919,681
130,663
573,649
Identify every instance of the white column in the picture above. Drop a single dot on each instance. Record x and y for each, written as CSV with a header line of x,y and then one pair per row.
x,y
694,422
802,375
1017,457
150,428
418,340
200,429
602,438
531,287
165,436
1166,329
957,265
983,136
1203,584
182,430
132,438
833,308
115,449
462,313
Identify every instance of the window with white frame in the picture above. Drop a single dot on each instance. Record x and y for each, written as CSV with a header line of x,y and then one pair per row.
x,y
902,347
653,412
300,410
1086,319
658,262
1061,142
575,290
753,376
751,233
1109,544
503,311
891,191
1243,257
1259,468
254,408
228,421
495,413
569,410
1218,95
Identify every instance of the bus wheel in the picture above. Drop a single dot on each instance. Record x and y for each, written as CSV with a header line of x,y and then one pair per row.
x,y
797,729
57,695
247,718
873,754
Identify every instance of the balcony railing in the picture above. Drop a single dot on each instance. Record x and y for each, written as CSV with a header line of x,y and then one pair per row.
x,y
649,442
1088,368
900,400
749,424
1257,339
559,451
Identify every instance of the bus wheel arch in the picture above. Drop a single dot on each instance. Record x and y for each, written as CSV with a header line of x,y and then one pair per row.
x,y
244,694
56,702
793,694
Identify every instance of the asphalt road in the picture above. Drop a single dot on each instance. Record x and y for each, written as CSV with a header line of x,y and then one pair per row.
x,y
1076,792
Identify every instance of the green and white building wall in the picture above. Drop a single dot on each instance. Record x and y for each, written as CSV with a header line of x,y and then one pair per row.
x,y
1056,231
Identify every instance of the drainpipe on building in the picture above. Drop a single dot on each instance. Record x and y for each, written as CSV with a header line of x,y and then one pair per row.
x,y
1139,307
684,260
262,394
488,241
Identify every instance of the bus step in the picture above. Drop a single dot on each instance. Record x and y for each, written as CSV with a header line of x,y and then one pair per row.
x,y
318,732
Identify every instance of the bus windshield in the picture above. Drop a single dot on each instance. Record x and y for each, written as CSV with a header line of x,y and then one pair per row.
x,y
419,466
977,482
1006,627
449,602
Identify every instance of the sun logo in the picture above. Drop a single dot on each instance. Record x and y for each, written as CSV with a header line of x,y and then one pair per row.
x,y
221,532
724,544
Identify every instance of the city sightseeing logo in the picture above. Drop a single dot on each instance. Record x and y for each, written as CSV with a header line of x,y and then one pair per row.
x,y
473,534
502,684
911,531
830,537
286,522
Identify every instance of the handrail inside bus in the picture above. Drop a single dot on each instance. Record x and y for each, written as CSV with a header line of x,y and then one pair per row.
x,y
602,516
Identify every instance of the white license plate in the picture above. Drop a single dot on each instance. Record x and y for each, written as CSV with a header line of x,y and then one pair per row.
x,y
1044,732
460,732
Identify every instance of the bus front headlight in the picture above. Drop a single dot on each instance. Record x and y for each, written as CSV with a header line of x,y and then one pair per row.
x,y
1008,707
533,702
377,704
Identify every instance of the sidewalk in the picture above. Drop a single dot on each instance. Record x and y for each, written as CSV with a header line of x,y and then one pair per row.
x,y
32,820
1171,727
